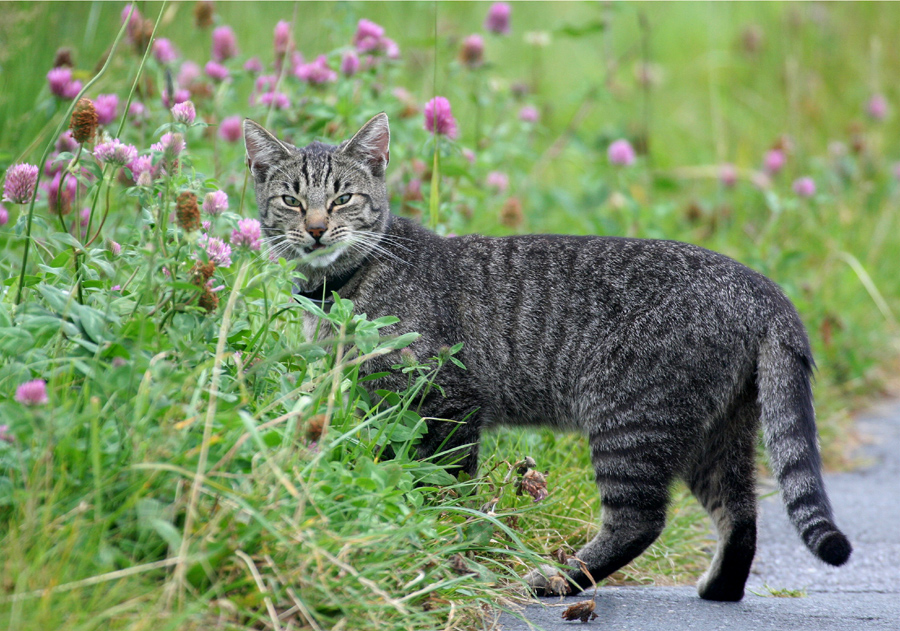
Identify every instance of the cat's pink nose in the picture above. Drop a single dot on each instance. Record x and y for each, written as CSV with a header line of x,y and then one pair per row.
x,y
316,231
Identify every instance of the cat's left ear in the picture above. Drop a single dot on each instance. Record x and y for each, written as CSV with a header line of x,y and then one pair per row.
x,y
371,144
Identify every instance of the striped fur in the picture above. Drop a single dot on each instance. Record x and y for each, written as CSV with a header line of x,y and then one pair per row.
x,y
666,356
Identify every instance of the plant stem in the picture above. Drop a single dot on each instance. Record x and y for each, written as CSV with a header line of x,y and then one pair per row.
x,y
434,202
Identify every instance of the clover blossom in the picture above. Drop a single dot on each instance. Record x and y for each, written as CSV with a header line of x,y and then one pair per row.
x,y
253,65
184,113
230,129
32,392
774,161
4,215
115,152
471,54
61,83
247,234
439,118
21,180
107,106
621,153
316,72
216,71
215,203
217,250
497,20
142,170
529,114
164,51
805,187
224,44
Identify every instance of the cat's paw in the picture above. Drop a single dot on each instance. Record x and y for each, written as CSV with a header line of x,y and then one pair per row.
x,y
547,580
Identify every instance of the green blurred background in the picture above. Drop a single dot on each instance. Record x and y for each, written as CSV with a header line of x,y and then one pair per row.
x,y
730,77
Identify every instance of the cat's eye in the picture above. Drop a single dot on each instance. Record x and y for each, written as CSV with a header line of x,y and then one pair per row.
x,y
293,202
343,199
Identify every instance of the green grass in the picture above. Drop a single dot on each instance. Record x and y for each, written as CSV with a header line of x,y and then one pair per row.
x,y
179,476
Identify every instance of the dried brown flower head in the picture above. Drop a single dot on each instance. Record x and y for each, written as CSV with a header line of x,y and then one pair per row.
x,y
511,213
314,427
535,484
583,611
63,58
209,300
203,14
202,272
187,211
84,121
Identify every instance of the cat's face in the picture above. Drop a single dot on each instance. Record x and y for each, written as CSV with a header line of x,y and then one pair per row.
x,y
322,204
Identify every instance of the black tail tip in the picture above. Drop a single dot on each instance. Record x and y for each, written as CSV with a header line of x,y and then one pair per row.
x,y
834,548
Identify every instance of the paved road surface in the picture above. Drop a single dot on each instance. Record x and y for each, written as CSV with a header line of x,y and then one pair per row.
x,y
862,595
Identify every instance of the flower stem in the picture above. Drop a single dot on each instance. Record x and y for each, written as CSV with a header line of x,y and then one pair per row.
x,y
434,202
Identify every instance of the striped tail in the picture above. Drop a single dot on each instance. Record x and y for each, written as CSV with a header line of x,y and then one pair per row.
x,y
789,427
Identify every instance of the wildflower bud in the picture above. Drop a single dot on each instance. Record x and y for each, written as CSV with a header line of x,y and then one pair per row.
x,y
805,187
4,215
187,212
114,248
224,44
184,113
349,64
282,39
529,114
472,52
84,121
497,20
728,175
498,181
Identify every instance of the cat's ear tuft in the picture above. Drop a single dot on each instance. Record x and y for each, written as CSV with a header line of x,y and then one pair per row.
x,y
372,144
263,149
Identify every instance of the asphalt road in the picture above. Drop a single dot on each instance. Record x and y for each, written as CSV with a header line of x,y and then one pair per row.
x,y
862,595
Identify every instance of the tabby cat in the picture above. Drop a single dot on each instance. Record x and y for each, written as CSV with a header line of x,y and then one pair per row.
x,y
666,356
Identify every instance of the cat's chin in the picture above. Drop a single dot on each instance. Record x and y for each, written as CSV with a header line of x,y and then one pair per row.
x,y
320,258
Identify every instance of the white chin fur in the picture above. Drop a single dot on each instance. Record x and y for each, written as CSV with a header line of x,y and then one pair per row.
x,y
323,260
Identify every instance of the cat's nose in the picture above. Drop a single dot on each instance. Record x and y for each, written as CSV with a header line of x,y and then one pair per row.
x,y
316,231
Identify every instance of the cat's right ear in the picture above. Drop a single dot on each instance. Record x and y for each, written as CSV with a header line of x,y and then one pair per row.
x,y
263,149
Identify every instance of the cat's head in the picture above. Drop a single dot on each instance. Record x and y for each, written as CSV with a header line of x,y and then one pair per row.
x,y
322,204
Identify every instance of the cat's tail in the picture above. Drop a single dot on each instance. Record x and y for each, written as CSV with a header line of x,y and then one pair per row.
x,y
784,371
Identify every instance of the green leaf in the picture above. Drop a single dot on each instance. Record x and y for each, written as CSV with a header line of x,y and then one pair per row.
x,y
15,341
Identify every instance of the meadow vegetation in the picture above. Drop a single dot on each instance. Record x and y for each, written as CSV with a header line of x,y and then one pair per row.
x,y
174,454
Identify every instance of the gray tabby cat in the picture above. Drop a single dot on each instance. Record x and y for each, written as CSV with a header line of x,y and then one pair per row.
x,y
667,356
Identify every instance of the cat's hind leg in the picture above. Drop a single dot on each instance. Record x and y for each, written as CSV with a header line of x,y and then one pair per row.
x,y
723,480
633,475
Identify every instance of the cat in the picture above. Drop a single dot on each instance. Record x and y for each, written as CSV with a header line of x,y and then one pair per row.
x,y
667,356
